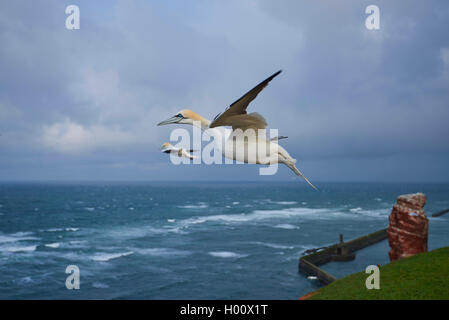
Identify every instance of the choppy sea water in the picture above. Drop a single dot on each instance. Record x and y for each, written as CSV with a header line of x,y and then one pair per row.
x,y
199,240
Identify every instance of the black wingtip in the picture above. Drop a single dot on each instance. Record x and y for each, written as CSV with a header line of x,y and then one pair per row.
x,y
274,75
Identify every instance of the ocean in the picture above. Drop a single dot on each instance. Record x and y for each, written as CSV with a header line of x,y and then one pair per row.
x,y
190,240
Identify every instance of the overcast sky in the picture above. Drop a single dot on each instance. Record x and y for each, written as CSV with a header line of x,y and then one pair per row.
x,y
356,104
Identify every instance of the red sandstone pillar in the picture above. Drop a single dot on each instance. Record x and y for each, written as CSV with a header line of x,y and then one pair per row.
x,y
408,229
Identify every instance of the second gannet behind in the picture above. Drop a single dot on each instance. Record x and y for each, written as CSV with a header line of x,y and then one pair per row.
x,y
169,148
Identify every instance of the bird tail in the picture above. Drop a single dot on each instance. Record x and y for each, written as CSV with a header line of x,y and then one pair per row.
x,y
291,165
275,139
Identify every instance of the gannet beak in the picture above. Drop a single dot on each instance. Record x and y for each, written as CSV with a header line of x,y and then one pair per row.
x,y
174,119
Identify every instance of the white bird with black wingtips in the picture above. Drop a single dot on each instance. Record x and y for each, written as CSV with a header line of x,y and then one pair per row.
x,y
258,150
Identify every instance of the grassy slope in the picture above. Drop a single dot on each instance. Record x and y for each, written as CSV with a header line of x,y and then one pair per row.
x,y
423,276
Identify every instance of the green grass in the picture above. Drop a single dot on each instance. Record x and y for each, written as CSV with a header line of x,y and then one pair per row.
x,y
421,277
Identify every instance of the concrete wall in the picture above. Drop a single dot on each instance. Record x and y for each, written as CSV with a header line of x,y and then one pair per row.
x,y
309,264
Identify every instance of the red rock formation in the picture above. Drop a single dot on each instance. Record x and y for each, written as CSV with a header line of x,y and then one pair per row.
x,y
408,229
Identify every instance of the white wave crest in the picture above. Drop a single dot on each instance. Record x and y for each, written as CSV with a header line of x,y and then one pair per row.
x,y
20,249
53,245
162,252
109,256
18,236
286,226
61,229
377,213
284,202
226,254
288,213
260,215
199,205
273,245
143,231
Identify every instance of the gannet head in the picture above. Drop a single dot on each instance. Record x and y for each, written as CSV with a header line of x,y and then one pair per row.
x,y
166,147
186,117
183,116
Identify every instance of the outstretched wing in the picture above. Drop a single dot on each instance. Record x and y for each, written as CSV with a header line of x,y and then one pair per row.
x,y
235,115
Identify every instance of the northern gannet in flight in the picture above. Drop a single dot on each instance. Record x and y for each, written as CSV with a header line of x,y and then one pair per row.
x,y
169,148
240,121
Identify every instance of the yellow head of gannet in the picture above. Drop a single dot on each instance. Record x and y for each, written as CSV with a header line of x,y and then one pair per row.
x,y
166,147
186,117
